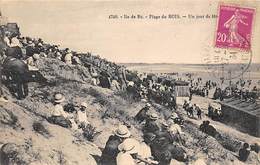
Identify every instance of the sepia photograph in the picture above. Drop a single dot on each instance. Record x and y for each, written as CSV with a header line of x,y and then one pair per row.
x,y
130,82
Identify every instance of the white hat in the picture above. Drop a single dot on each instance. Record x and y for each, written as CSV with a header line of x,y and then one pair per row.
x,y
129,145
122,131
143,100
153,116
174,115
15,42
165,124
84,104
59,98
148,104
36,56
131,83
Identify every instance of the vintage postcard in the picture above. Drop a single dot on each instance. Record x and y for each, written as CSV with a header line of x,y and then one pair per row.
x,y
127,82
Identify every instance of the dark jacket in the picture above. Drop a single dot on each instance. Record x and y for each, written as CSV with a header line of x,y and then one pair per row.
x,y
164,134
243,154
164,152
210,130
15,52
141,115
30,51
151,126
177,152
110,151
104,82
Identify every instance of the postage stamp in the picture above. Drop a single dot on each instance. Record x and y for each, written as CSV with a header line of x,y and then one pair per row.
x,y
234,28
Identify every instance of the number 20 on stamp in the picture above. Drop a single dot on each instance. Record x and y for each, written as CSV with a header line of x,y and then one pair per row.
x,y
234,28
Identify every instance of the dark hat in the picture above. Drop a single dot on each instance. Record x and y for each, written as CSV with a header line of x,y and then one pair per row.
x,y
246,145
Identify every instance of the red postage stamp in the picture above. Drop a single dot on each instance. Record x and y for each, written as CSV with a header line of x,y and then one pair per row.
x,y
234,29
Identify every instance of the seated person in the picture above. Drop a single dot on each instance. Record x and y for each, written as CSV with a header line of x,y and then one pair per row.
x,y
142,114
59,116
151,124
244,152
110,152
32,62
81,116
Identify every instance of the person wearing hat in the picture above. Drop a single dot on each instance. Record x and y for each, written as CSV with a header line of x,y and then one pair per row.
x,y
132,153
142,114
59,116
203,126
164,133
33,61
128,152
176,132
115,86
6,38
15,41
210,110
190,110
111,151
58,55
174,116
30,49
81,116
197,108
255,147
244,152
14,51
151,124
209,129
68,57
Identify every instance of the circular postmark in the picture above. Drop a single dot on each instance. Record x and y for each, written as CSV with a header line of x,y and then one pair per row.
x,y
226,64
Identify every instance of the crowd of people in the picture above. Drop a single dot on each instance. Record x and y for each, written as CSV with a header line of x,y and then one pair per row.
x,y
239,89
162,139
30,50
162,142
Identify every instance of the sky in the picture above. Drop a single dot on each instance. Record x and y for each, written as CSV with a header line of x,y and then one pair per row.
x,y
85,26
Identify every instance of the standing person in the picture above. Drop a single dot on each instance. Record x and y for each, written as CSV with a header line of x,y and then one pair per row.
x,y
68,57
14,50
197,108
122,77
190,110
6,38
110,152
210,111
190,96
185,105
